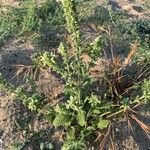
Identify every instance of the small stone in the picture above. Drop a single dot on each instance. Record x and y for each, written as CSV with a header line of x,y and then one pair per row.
x,y
117,130
1,141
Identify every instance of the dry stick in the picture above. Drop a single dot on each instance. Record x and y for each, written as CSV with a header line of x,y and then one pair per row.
x,y
129,122
145,127
130,55
108,31
133,110
29,70
112,137
126,90
112,143
130,126
136,83
127,60
105,138
106,58
105,114
142,73
116,113
21,69
35,72
98,137
111,45
138,104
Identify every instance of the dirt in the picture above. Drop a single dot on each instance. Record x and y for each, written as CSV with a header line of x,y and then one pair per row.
x,y
134,8
11,3
14,116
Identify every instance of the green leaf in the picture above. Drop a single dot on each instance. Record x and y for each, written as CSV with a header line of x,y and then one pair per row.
x,y
62,119
81,117
96,111
71,132
90,128
94,100
102,124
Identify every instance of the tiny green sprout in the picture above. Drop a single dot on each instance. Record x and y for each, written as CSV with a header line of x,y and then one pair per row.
x,y
103,124
42,146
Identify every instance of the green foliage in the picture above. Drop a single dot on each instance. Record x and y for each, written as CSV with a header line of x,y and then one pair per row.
x,y
85,8
30,18
84,111
102,124
62,120
48,15
51,13
81,117
84,108
146,91
95,48
34,102
74,144
146,95
46,145
9,23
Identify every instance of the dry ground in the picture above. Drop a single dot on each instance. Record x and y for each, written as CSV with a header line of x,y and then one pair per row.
x,y
14,116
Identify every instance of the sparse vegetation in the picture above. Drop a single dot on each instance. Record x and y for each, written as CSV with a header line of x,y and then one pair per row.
x,y
96,98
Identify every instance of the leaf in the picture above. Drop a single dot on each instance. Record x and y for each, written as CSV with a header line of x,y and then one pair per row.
x,y
96,47
62,50
96,111
94,100
102,124
90,128
62,119
71,132
81,117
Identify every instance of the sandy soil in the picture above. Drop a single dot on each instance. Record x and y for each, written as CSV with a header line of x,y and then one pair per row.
x,y
14,116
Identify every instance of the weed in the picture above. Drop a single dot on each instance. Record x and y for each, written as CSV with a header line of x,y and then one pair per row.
x,y
87,114
30,19
84,112
9,23
34,102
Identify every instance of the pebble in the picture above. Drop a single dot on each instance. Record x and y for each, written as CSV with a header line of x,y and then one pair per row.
x,y
117,130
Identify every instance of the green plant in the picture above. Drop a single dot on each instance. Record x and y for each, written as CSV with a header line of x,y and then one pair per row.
x,y
84,112
46,145
88,113
49,14
30,20
9,23
32,101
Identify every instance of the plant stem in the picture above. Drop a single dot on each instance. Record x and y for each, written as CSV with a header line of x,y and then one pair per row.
x,y
73,29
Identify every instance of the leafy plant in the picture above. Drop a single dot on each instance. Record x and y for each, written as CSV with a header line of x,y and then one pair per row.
x,y
9,23
84,111
34,101
89,111
30,20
